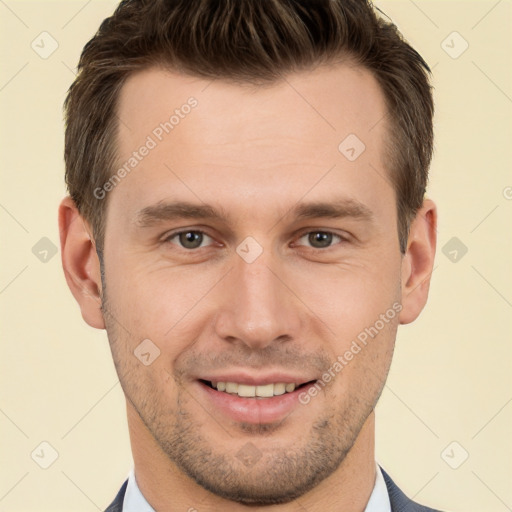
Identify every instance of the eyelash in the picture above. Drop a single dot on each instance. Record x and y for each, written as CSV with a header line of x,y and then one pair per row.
x,y
169,238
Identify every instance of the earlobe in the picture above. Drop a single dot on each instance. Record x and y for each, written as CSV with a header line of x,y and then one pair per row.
x,y
418,262
80,263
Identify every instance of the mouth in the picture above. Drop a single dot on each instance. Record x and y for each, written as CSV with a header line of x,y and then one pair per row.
x,y
240,402
246,397
260,391
262,403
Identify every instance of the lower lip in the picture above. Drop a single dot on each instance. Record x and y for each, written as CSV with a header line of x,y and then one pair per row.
x,y
254,410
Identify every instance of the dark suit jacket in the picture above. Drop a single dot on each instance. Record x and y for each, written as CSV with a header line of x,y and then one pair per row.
x,y
399,501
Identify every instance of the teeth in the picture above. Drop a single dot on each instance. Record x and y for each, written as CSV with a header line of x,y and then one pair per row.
x,y
231,387
246,390
267,390
279,389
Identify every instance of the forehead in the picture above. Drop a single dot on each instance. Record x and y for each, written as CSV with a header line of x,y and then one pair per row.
x,y
336,99
242,140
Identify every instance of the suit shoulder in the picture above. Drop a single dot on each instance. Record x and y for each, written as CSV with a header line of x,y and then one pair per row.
x,y
399,501
117,504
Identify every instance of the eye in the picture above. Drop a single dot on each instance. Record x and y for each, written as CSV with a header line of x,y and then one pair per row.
x,y
321,239
190,239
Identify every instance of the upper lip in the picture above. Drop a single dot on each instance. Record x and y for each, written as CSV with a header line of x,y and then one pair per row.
x,y
257,380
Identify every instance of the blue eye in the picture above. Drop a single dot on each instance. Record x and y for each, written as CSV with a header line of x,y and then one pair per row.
x,y
321,239
191,239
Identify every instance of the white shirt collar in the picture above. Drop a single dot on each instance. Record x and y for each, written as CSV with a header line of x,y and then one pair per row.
x,y
134,501
379,499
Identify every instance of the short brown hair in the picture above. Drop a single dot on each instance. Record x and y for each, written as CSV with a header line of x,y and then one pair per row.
x,y
248,41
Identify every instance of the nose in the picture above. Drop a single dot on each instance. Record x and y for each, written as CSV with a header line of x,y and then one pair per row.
x,y
257,306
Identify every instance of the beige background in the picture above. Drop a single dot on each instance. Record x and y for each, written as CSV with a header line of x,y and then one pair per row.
x,y
451,377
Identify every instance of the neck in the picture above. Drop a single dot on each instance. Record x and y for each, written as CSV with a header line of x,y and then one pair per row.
x,y
165,487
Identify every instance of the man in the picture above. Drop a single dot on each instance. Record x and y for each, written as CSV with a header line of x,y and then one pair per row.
x,y
247,221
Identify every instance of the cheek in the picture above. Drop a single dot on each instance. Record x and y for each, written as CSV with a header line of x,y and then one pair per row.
x,y
363,364
159,302
350,297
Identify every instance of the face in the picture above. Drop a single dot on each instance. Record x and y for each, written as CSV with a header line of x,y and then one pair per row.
x,y
249,249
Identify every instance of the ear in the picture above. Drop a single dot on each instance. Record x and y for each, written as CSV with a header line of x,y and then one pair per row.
x,y
80,262
418,261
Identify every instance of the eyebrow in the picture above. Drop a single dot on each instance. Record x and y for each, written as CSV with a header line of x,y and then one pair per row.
x,y
167,211
337,210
